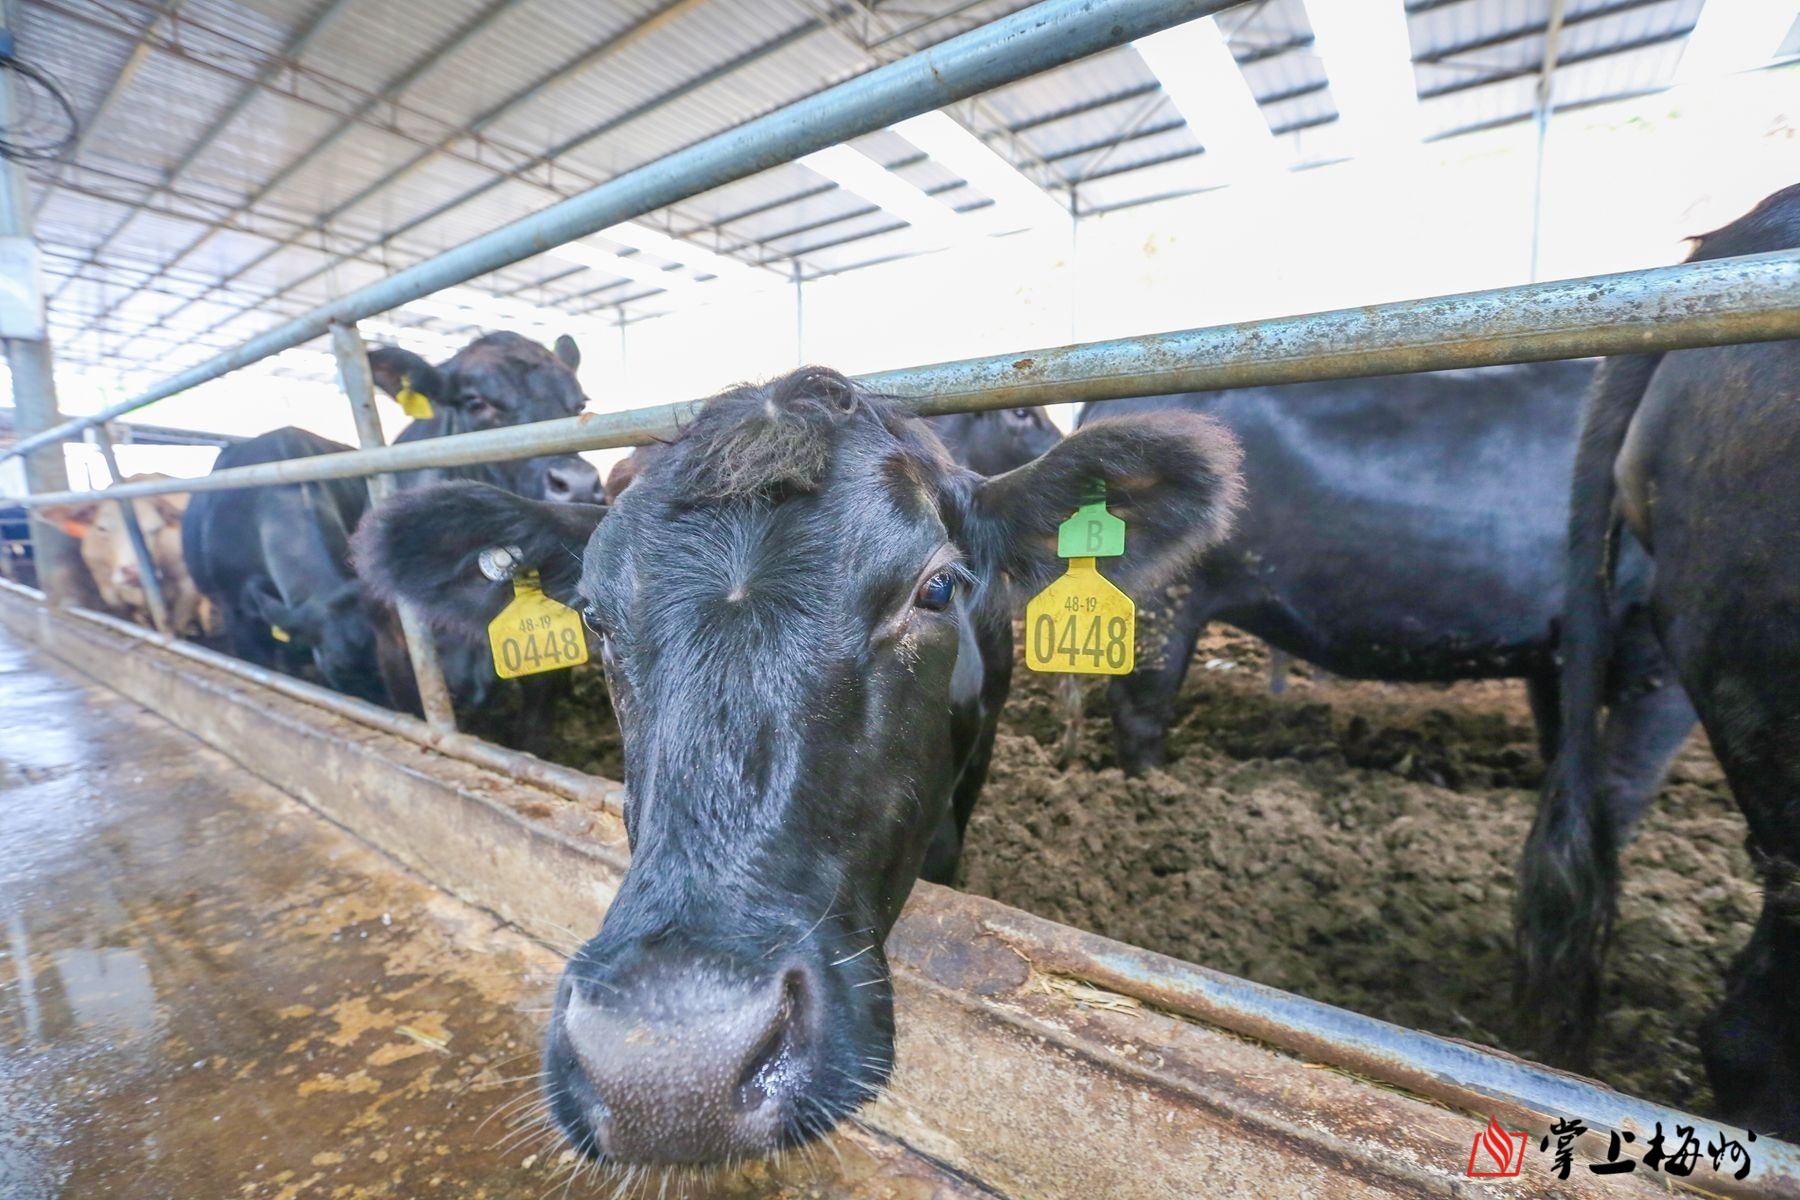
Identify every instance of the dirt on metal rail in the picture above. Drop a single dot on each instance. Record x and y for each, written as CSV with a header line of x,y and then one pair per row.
x,y
1035,1060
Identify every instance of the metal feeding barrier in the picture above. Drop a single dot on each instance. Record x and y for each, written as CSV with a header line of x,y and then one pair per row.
x,y
1754,298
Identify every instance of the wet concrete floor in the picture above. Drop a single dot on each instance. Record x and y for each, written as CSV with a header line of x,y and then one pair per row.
x,y
208,991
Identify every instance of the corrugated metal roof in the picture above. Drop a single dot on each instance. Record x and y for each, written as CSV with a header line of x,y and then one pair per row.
x,y
266,155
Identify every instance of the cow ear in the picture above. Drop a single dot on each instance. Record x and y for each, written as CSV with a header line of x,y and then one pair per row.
x,y
1172,477
568,353
73,519
395,370
299,621
425,545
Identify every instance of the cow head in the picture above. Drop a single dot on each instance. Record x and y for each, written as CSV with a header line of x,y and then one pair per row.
x,y
106,547
786,601
497,379
998,440
336,625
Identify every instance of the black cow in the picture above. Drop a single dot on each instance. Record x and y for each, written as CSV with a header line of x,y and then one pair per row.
x,y
1407,528
790,602
278,557
1697,454
996,441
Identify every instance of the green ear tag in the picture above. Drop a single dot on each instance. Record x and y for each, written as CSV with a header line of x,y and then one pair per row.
x,y
535,633
1082,624
1092,532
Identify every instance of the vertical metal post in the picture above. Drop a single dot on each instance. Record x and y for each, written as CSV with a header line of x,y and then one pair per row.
x,y
56,554
359,387
140,549
799,318
1545,102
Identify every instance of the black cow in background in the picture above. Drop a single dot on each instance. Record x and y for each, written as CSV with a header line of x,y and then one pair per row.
x,y
789,599
277,558
1407,528
998,440
1696,453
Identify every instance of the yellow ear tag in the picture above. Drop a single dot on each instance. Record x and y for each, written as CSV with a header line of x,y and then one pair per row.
x,y
1081,624
535,633
279,634
413,404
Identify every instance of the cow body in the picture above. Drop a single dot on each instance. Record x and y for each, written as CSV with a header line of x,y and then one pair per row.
x,y
791,601
275,562
1694,453
1406,528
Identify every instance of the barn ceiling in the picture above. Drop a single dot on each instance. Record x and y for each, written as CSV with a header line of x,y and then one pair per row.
x,y
241,161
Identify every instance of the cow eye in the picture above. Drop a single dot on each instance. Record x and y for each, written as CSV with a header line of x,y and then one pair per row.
x,y
590,616
1022,414
936,592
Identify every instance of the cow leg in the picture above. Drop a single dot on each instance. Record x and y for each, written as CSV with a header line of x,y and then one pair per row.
x,y
1740,674
1751,1042
1144,701
1545,694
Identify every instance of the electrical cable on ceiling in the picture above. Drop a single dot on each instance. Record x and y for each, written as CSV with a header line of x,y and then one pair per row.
x,y
44,125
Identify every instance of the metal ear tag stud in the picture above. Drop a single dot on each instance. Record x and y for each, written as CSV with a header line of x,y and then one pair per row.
x,y
499,563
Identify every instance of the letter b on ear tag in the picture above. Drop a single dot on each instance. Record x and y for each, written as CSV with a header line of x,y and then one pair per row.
x,y
535,633
1091,533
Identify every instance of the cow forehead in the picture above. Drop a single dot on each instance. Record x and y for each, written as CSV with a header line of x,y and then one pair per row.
x,y
873,521
513,364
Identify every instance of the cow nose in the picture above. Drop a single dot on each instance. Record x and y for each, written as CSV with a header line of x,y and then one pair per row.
x,y
694,1070
576,482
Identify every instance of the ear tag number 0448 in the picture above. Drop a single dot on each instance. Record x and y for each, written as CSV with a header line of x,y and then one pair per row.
x,y
535,633
1081,624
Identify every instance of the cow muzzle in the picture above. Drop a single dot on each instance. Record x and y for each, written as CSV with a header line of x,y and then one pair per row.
x,y
689,1066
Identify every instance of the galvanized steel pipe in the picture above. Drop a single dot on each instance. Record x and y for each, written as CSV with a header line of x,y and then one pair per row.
x,y
1036,39
1749,299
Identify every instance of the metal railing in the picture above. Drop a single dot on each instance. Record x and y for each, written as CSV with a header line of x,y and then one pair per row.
x,y
1748,299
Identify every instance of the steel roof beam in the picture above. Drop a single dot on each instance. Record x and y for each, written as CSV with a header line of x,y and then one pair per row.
x,y
347,124
294,46
517,171
1519,33
1566,60
134,62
